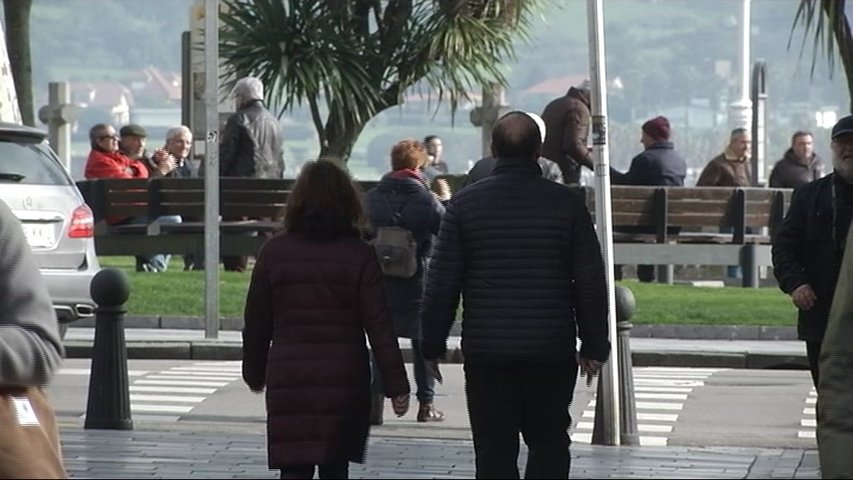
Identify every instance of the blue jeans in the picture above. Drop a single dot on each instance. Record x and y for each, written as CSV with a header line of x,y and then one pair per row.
x,y
158,262
424,382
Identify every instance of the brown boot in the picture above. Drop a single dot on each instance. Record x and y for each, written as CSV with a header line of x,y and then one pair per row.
x,y
428,413
377,408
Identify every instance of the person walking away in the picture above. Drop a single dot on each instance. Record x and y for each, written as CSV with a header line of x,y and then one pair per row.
x,y
401,199
657,165
30,355
315,292
800,164
835,390
251,145
809,244
567,121
532,281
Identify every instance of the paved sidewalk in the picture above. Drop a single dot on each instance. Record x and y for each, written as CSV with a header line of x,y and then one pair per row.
x,y
150,454
160,343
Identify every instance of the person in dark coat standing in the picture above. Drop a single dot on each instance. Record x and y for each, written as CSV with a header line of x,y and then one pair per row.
x,y
800,164
250,146
402,199
567,120
315,291
532,281
658,165
808,246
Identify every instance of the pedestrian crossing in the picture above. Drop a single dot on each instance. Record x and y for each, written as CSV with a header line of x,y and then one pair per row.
x,y
167,394
808,423
659,394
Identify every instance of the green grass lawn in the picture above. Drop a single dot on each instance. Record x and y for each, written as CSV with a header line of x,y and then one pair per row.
x,y
179,293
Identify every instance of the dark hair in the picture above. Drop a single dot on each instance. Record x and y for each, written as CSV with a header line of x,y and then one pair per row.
x,y
800,133
324,203
738,132
96,131
408,154
515,135
430,137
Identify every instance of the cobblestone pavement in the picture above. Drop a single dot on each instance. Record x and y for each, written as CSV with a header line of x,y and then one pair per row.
x,y
192,454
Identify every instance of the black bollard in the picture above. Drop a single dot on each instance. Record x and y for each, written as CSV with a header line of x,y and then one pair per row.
x,y
629,433
108,406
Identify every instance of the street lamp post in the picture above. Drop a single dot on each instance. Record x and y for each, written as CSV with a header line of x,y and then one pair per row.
x,y
740,110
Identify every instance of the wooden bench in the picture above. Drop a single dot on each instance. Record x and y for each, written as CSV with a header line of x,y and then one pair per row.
x,y
668,226
251,210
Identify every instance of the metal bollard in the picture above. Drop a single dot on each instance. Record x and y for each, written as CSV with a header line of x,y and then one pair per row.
x,y
629,433
108,405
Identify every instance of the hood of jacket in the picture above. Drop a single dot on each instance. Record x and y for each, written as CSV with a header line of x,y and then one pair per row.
x,y
580,94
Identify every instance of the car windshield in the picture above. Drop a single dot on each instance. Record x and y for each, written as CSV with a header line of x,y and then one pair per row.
x,y
26,161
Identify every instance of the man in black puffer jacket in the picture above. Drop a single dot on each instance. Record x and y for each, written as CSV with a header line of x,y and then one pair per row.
x,y
523,253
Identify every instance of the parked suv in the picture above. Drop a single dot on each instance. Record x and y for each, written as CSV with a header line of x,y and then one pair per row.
x,y
56,221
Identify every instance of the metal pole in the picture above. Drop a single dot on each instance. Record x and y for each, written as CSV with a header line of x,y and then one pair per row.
x,y
740,115
211,170
758,94
610,374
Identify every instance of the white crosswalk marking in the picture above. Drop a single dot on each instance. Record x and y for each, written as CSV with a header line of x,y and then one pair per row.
x,y
137,388
669,387
188,383
809,422
165,395
87,371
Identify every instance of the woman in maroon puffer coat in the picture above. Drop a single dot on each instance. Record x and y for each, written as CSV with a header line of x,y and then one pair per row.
x,y
315,291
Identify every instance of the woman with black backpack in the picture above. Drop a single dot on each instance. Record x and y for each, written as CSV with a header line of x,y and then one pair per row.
x,y
404,216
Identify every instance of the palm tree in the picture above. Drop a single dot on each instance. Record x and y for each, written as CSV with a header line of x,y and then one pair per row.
x,y
351,59
17,14
828,22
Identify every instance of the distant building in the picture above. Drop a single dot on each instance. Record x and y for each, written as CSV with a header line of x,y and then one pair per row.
x,y
105,101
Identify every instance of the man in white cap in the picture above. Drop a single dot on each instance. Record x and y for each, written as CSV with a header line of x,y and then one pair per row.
x,y
251,144
523,253
485,165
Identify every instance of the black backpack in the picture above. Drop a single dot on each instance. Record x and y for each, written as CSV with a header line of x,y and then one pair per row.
x,y
396,247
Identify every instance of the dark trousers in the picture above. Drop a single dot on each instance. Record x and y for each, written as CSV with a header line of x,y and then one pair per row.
x,y
329,470
531,398
813,354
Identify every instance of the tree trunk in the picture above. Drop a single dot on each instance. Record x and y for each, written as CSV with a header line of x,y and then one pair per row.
x,y
17,14
341,137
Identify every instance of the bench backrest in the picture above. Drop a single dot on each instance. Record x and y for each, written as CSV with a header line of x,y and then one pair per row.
x,y
115,197
238,197
662,210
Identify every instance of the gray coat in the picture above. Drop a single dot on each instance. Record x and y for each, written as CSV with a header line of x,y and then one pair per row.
x,y
30,348
251,144
835,390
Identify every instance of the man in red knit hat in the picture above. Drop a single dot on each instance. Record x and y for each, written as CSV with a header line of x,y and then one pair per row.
x,y
658,165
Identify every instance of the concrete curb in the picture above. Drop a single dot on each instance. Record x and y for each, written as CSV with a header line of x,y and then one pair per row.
x,y
686,332
212,350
